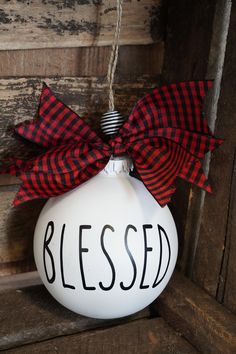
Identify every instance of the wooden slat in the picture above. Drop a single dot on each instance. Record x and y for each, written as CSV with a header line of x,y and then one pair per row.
x,y
187,47
26,264
143,336
217,233
189,33
19,281
221,14
83,61
133,61
31,314
53,24
203,321
7,180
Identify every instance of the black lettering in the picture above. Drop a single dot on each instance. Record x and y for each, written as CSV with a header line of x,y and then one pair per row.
x,y
81,250
162,231
123,287
50,226
109,260
61,260
146,250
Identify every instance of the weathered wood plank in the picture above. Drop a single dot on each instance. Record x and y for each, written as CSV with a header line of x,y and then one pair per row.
x,y
214,70
31,314
216,231
143,336
55,24
83,61
187,46
133,61
201,319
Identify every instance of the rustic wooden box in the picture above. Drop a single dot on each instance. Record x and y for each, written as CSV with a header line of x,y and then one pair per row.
x,y
67,44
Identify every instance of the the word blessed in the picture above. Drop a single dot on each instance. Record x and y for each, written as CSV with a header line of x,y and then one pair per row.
x,y
106,232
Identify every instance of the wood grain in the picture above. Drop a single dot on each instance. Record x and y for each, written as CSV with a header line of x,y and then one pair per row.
x,y
17,267
146,336
133,61
187,46
221,13
19,281
7,180
202,320
188,39
57,24
31,314
215,263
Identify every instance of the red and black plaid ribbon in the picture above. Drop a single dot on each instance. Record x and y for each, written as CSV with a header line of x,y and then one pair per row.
x,y
166,135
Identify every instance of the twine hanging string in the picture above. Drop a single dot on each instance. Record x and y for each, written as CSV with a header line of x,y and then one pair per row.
x,y
114,56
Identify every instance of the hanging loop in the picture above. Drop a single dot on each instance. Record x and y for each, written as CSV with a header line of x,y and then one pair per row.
x,y
114,56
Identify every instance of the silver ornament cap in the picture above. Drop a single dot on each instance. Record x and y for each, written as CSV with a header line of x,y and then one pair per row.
x,y
111,122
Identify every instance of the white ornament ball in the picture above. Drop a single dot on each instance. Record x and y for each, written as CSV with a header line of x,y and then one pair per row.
x,y
106,249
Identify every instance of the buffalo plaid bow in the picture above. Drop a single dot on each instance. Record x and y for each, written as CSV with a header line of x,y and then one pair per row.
x,y
165,136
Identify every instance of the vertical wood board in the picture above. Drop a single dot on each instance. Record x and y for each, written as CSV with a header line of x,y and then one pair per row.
x,y
187,47
214,246
214,70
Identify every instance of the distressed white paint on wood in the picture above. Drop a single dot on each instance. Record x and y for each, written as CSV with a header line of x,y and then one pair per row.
x,y
28,24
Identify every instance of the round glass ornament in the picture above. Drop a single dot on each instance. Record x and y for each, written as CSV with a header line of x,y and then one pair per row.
x,y
106,249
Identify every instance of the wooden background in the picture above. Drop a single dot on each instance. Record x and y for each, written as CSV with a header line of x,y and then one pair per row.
x,y
67,44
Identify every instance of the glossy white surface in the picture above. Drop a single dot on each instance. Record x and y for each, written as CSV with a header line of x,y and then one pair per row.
x,y
105,249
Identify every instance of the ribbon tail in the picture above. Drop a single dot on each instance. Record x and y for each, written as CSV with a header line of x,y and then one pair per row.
x,y
158,168
43,185
55,124
193,173
162,194
23,195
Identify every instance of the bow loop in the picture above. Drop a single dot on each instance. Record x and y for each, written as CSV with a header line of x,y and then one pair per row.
x,y
56,124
